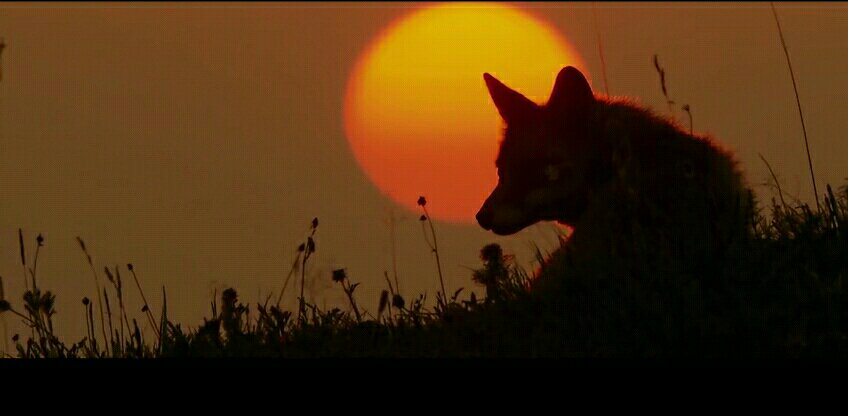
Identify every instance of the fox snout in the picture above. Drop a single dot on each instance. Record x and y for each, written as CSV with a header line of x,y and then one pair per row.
x,y
489,215
487,218
484,217
503,220
501,217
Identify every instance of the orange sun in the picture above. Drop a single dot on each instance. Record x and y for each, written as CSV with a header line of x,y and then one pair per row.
x,y
417,113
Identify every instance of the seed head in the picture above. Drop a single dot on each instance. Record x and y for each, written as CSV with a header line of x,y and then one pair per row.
x,y
384,300
491,252
398,302
339,275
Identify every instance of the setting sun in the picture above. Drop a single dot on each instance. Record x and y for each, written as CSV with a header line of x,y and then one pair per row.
x,y
418,117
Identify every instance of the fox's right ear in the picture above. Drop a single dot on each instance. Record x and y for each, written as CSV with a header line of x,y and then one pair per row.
x,y
510,104
571,92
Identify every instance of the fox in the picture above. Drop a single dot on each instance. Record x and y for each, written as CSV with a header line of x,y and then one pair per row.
x,y
630,184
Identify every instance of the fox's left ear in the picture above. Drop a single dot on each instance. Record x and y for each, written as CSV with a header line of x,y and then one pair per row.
x,y
571,91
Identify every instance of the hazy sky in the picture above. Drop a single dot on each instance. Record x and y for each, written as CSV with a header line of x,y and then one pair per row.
x,y
199,141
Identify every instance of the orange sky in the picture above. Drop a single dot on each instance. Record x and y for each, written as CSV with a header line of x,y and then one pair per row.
x,y
198,141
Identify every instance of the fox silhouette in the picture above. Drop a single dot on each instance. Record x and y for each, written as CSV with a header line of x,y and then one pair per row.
x,y
629,183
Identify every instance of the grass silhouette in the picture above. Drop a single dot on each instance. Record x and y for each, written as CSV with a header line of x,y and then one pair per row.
x,y
782,295
797,102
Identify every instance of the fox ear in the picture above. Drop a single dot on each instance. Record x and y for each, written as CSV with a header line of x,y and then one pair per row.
x,y
571,91
510,104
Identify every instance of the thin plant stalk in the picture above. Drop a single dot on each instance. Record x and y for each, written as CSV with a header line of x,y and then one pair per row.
x,y
288,278
97,286
89,326
5,336
798,103
109,314
5,326
301,303
774,178
163,322
27,319
308,249
91,319
600,49
125,323
689,113
144,299
661,73
394,247
23,265
35,265
23,256
392,292
349,292
436,250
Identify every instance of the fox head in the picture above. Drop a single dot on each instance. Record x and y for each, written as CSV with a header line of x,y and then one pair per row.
x,y
544,162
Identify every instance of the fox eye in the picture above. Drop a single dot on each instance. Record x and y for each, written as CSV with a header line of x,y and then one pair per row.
x,y
551,173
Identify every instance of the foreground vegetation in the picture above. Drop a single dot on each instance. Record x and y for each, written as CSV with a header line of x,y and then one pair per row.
x,y
783,295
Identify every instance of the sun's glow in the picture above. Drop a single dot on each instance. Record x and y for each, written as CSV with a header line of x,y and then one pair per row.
x,y
417,114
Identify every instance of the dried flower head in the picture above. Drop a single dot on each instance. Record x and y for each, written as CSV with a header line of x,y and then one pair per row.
x,y
229,296
422,201
339,275
39,240
85,301
398,302
423,218
48,300
491,252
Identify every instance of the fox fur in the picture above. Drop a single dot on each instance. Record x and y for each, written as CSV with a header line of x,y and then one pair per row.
x,y
629,183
